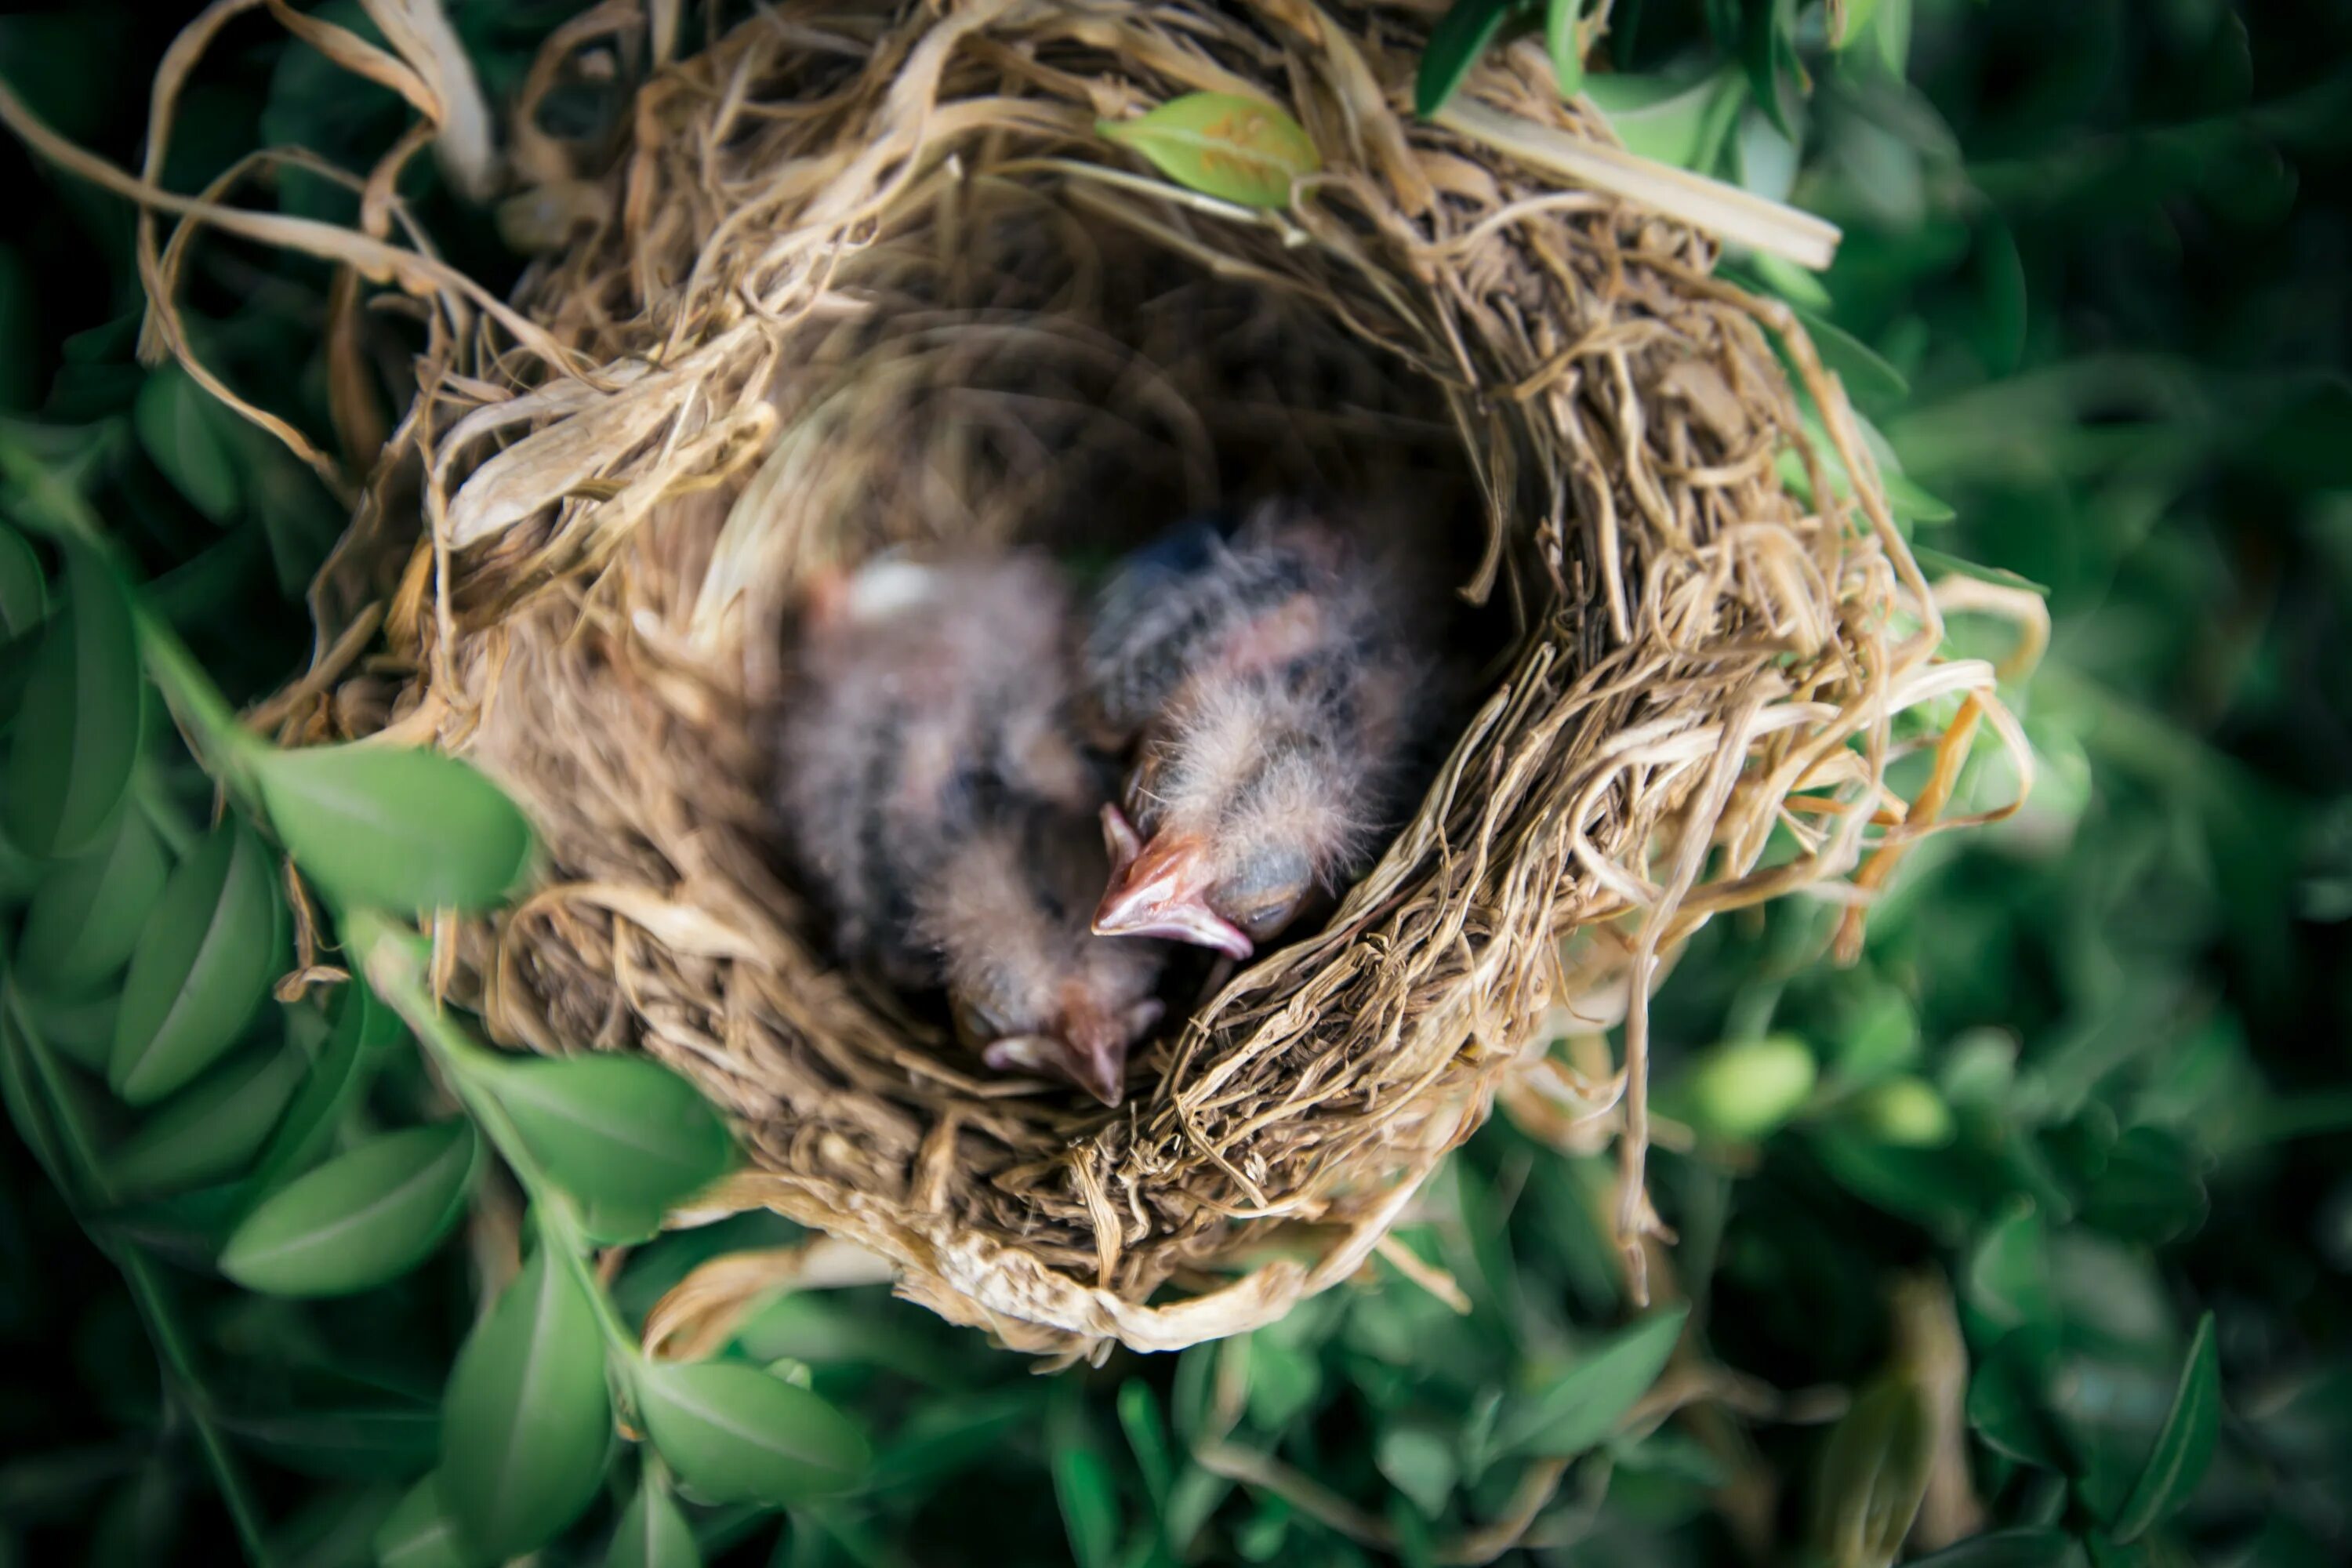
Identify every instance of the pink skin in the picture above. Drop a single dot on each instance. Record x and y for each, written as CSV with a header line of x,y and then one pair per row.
x,y
1158,889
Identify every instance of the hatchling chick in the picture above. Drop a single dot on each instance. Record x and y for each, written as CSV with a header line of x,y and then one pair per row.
x,y
1034,990
929,729
1276,687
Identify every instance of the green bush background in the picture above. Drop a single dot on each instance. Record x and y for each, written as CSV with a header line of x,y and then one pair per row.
x,y
2090,1076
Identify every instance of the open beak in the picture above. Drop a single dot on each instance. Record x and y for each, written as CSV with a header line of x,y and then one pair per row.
x,y
1120,839
1158,891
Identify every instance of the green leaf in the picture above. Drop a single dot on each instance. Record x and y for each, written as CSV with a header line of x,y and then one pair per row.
x,y
2007,1549
1852,23
1893,35
2150,1189
1745,1088
1770,51
1670,120
82,703
419,1533
24,596
1139,1417
2183,1448
528,1421
1942,561
614,1129
1873,1475
1867,375
2008,1277
1584,1405
2009,1399
1284,1382
212,945
1904,496
1419,1461
82,1030
736,1435
621,1225
88,912
337,1079
358,1220
1901,1110
652,1533
1089,1503
1458,41
179,423
2006,302
1561,41
1241,149
29,1107
208,1129
396,827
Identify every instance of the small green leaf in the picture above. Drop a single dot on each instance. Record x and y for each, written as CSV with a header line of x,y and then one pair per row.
x,y
209,1128
1670,120
211,944
1241,149
1139,1417
1462,36
2007,1277
652,1533
1901,1110
2183,1448
2009,1399
1893,35
528,1421
1873,1475
82,702
358,1220
736,1435
1089,1502
1745,1088
621,1225
1774,74
88,912
337,1079
29,1107
419,1533
1562,42
1284,1382
2009,1549
1584,1405
82,1030
1850,21
396,827
1867,375
614,1129
1420,1461
2006,305
2151,1187
24,597
179,423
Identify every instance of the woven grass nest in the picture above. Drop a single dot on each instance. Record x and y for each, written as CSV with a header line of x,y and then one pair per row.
x,y
853,277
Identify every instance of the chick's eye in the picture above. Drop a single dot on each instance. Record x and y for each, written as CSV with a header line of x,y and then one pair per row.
x,y
1261,896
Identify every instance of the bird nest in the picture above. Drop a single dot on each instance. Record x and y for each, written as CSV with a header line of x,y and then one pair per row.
x,y
849,279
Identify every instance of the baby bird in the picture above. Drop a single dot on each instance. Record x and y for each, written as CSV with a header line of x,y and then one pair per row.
x,y
1032,989
937,803
1276,688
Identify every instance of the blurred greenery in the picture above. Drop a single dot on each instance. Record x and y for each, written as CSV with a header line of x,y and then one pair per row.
x,y
2036,1220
